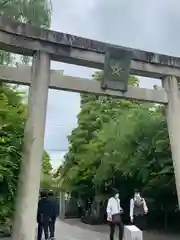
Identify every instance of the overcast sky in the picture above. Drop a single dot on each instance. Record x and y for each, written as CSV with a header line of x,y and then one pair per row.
x,y
150,25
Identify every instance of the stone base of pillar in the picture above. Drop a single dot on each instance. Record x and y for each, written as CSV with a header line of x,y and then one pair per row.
x,y
132,233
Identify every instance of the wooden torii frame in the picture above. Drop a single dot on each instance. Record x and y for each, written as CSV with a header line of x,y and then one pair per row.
x,y
44,46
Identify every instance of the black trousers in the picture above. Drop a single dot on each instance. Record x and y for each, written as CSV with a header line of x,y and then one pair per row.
x,y
52,226
43,226
139,221
112,230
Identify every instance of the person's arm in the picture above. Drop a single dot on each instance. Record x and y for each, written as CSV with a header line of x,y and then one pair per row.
x,y
109,210
145,206
57,208
121,210
131,209
38,211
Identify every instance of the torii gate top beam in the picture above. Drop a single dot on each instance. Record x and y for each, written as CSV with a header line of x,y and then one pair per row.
x,y
24,39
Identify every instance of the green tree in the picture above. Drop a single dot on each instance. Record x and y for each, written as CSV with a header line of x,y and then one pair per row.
x,y
84,155
137,155
47,166
46,175
12,117
121,144
33,12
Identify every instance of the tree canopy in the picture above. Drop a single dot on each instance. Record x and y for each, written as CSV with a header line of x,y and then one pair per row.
x,y
33,12
122,144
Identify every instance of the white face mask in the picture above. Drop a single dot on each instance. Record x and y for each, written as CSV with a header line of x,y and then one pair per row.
x,y
137,195
117,195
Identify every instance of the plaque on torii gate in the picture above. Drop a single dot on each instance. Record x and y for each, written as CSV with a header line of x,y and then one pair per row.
x,y
116,69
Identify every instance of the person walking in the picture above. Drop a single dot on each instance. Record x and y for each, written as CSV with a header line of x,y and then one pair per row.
x,y
138,209
43,216
53,212
114,211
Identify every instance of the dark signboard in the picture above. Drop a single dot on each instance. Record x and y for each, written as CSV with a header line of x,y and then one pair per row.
x,y
116,69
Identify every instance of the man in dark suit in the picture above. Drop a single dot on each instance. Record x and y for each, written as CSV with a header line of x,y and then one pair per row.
x,y
53,212
43,215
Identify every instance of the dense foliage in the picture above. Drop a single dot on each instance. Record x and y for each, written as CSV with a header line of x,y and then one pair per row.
x,y
34,12
120,144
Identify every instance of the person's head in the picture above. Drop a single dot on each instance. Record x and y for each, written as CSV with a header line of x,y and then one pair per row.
x,y
137,193
115,193
43,194
50,193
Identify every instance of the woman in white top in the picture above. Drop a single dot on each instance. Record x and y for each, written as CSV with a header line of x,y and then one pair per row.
x,y
138,209
114,211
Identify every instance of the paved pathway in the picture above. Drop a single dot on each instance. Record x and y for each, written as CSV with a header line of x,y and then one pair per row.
x,y
81,231
75,230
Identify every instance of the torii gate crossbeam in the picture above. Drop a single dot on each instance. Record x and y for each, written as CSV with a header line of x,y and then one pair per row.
x,y
74,84
44,46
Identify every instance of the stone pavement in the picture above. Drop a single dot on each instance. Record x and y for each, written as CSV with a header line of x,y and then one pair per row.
x,y
79,231
73,229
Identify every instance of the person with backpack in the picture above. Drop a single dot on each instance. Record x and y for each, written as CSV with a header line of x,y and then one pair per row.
x,y
114,211
138,209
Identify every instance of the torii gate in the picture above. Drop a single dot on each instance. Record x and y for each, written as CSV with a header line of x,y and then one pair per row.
x,y
44,46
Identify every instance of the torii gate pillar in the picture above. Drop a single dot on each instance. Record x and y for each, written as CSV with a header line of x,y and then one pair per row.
x,y
29,179
170,83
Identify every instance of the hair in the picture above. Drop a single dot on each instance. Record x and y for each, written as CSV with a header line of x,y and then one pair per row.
x,y
50,193
114,192
43,194
137,191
